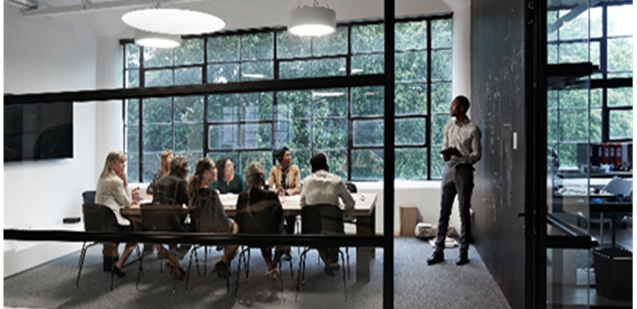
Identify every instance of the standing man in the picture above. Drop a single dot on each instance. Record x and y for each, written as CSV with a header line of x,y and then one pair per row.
x,y
461,149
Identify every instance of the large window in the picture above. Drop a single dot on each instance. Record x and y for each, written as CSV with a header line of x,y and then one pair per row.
x,y
606,113
346,123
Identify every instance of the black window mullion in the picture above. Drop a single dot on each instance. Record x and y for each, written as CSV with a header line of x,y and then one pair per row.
x,y
603,54
142,83
428,123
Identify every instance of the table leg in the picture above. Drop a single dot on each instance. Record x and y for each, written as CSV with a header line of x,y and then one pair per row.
x,y
365,226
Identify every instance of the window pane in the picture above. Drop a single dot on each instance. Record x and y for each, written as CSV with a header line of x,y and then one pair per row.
x,y
223,107
596,124
293,104
411,164
292,46
188,76
190,52
157,57
367,164
157,137
576,28
312,68
596,22
620,55
295,69
301,157
574,52
411,66
330,133
234,156
189,137
256,106
157,110
596,97
132,79
132,56
411,99
437,164
441,33
257,70
189,109
441,64
132,139
247,157
132,166
551,135
620,96
256,135
368,38
410,131
156,78
440,97
223,48
368,101
223,136
621,124
567,154
573,98
438,128
294,134
151,165
329,67
368,64
369,132
411,35
329,102
132,112
552,54
573,125
332,44
336,159
620,20
257,46
223,73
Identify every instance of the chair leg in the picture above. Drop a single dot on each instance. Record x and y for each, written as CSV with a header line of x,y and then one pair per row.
x,y
194,251
205,261
80,264
140,271
349,276
241,256
344,276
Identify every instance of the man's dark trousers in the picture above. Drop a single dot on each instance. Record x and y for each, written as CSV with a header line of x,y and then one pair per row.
x,y
455,180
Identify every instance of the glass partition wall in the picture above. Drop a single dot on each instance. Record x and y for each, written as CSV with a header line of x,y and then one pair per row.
x,y
589,127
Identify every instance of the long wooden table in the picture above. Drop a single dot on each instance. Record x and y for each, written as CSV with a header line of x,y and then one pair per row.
x,y
364,212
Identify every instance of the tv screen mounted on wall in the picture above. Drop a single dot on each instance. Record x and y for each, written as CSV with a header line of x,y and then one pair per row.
x,y
39,131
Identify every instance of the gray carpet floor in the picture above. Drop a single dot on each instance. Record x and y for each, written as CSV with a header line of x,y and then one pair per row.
x,y
416,285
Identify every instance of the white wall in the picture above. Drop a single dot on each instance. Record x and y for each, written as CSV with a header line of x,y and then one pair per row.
x,y
43,56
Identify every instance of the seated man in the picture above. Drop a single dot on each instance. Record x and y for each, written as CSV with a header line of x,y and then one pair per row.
x,y
322,187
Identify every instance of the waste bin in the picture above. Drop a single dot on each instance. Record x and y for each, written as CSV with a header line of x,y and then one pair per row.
x,y
613,272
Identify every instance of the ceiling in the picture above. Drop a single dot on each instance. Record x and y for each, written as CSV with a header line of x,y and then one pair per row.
x,y
104,16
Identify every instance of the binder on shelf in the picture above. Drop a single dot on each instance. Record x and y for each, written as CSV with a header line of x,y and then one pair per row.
x,y
611,154
618,156
605,153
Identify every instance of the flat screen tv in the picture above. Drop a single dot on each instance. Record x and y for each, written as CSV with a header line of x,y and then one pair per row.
x,y
39,131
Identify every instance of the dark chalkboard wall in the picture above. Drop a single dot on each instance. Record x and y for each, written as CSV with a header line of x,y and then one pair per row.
x,y
497,95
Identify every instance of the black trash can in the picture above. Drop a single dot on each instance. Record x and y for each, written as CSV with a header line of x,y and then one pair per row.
x,y
614,272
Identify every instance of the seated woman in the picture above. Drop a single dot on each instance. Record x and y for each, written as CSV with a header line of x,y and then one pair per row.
x,y
285,178
207,213
227,180
259,211
112,192
164,169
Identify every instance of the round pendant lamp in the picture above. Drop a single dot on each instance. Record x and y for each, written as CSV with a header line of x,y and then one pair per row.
x,y
156,40
173,21
312,21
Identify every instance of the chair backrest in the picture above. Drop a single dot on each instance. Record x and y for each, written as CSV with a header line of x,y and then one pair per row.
x,y
98,218
265,220
158,217
322,219
88,197
351,187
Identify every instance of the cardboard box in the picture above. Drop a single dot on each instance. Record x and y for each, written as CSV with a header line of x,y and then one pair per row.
x,y
408,220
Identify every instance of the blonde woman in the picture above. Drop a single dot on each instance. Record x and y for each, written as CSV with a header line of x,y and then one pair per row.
x,y
112,192
164,169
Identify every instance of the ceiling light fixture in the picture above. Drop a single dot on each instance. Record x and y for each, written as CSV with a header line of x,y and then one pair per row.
x,y
312,20
173,21
156,40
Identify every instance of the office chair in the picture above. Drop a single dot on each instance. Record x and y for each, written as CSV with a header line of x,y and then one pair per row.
x,y
261,221
155,218
323,219
96,219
